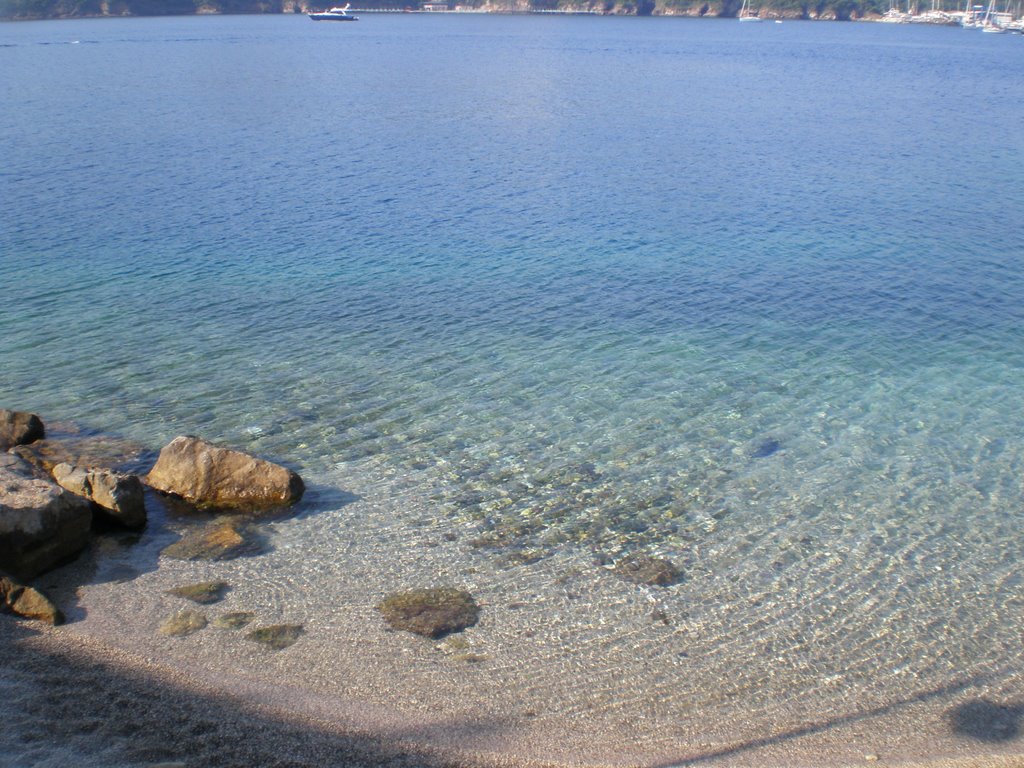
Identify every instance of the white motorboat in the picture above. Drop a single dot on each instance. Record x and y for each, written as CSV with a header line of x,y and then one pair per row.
x,y
334,14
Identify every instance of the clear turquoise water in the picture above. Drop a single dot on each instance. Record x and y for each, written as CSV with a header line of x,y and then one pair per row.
x,y
752,299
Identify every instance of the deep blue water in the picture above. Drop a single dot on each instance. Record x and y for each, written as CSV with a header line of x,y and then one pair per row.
x,y
611,283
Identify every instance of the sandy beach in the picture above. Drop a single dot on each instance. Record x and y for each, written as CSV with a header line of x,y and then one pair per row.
x,y
69,700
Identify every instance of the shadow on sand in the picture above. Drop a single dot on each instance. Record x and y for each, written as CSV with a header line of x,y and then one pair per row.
x,y
65,707
986,721
977,719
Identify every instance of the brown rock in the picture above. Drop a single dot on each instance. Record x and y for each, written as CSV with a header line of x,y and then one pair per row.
x,y
234,620
41,524
94,451
119,496
644,569
204,593
430,612
217,478
220,540
28,602
276,637
18,428
183,623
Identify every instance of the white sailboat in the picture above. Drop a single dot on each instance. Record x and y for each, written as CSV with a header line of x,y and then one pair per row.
x,y
988,24
746,14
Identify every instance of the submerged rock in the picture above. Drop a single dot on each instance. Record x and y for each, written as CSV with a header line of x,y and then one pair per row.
x,y
220,540
234,620
19,428
41,524
766,448
215,478
204,593
430,612
118,496
27,602
277,636
183,623
644,569
94,451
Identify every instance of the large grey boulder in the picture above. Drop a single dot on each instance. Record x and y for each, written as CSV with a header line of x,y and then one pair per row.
x,y
118,495
19,428
217,478
41,524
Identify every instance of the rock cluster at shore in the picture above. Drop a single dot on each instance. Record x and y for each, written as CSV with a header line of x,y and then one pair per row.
x,y
53,493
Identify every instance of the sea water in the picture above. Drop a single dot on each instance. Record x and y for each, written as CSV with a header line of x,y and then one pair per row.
x,y
519,296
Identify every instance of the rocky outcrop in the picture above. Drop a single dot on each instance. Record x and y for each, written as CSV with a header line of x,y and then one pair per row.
x,y
430,612
41,524
118,496
27,602
19,428
215,478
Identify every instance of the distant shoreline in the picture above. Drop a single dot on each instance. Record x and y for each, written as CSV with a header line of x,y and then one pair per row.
x,y
770,15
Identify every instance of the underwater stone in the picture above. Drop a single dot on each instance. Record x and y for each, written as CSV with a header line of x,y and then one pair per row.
x,y
204,593
430,612
183,623
97,451
644,569
223,540
766,448
276,637
234,620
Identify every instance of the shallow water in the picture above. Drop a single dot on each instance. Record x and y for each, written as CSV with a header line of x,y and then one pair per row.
x,y
521,295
